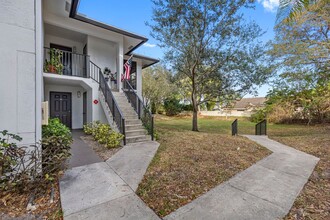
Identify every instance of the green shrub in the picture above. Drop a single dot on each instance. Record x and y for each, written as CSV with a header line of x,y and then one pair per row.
x,y
103,134
89,128
172,106
113,139
55,128
56,143
55,151
20,166
9,155
210,105
188,107
258,116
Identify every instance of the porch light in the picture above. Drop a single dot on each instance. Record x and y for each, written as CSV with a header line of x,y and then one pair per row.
x,y
78,94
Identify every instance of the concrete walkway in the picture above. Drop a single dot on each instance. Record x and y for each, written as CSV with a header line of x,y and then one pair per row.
x,y
265,190
81,153
106,190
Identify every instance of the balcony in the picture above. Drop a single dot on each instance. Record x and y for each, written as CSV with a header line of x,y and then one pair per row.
x,y
67,63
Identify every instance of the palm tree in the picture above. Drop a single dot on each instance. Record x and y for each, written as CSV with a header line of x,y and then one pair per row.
x,y
288,9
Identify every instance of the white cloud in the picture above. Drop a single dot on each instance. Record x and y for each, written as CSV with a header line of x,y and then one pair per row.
x,y
149,45
270,5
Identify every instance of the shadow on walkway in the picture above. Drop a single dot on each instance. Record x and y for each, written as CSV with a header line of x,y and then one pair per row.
x,y
81,153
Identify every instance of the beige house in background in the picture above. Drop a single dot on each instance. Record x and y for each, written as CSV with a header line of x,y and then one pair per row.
x,y
242,108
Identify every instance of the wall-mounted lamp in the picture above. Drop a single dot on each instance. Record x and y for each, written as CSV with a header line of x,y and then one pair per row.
x,y
78,94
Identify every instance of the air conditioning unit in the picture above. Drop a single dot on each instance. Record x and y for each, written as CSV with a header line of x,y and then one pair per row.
x,y
45,114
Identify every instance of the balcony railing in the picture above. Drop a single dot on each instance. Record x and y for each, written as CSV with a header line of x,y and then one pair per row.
x,y
66,63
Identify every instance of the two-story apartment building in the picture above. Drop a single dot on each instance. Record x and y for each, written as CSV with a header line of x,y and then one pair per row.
x,y
52,55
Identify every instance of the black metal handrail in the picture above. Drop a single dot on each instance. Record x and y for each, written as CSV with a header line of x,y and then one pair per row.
x,y
234,130
261,128
143,112
117,115
94,72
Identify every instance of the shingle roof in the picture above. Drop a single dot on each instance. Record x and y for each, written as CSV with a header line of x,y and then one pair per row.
x,y
250,102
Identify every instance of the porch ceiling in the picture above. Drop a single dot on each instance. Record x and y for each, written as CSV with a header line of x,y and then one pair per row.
x,y
64,33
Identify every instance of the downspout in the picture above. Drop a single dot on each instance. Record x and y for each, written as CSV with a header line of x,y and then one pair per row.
x,y
38,68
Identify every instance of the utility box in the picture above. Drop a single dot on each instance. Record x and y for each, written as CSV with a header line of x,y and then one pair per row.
x,y
45,113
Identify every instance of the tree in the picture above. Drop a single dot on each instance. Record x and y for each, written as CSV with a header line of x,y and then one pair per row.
x,y
301,49
208,42
156,86
289,9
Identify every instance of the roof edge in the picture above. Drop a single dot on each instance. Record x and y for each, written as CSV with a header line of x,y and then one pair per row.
x,y
153,60
74,15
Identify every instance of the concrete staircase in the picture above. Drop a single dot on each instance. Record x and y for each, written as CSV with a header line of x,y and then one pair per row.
x,y
135,131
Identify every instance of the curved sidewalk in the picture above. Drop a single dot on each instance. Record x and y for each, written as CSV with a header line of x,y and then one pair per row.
x,y
106,190
265,190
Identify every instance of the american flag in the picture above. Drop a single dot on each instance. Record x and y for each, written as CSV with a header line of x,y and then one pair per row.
x,y
128,67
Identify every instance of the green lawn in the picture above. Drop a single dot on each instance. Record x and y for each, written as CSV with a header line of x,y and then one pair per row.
x,y
221,125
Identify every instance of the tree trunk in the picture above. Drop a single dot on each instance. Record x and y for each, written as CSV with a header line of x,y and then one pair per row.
x,y
195,111
194,101
194,122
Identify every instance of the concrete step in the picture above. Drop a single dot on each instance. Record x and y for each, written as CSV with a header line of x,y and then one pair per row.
x,y
140,138
126,108
119,96
129,112
131,117
121,99
125,105
134,127
134,133
133,121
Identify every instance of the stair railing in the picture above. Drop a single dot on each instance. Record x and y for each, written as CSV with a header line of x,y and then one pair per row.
x,y
118,116
142,111
94,72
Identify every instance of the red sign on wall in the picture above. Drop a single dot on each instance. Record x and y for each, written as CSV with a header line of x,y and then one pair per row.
x,y
96,101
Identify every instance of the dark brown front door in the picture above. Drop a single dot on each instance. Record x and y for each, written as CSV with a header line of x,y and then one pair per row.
x,y
60,107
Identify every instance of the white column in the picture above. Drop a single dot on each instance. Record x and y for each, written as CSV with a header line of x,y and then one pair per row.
x,y
120,64
139,78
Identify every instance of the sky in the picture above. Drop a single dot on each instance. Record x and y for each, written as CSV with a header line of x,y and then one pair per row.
x,y
131,15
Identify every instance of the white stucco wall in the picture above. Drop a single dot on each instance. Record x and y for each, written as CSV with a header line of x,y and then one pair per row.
x,y
102,53
19,81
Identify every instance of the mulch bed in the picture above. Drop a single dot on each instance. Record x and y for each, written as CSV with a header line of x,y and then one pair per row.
x,y
13,205
188,164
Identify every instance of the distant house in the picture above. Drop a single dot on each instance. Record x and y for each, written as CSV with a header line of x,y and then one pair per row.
x,y
248,104
244,108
